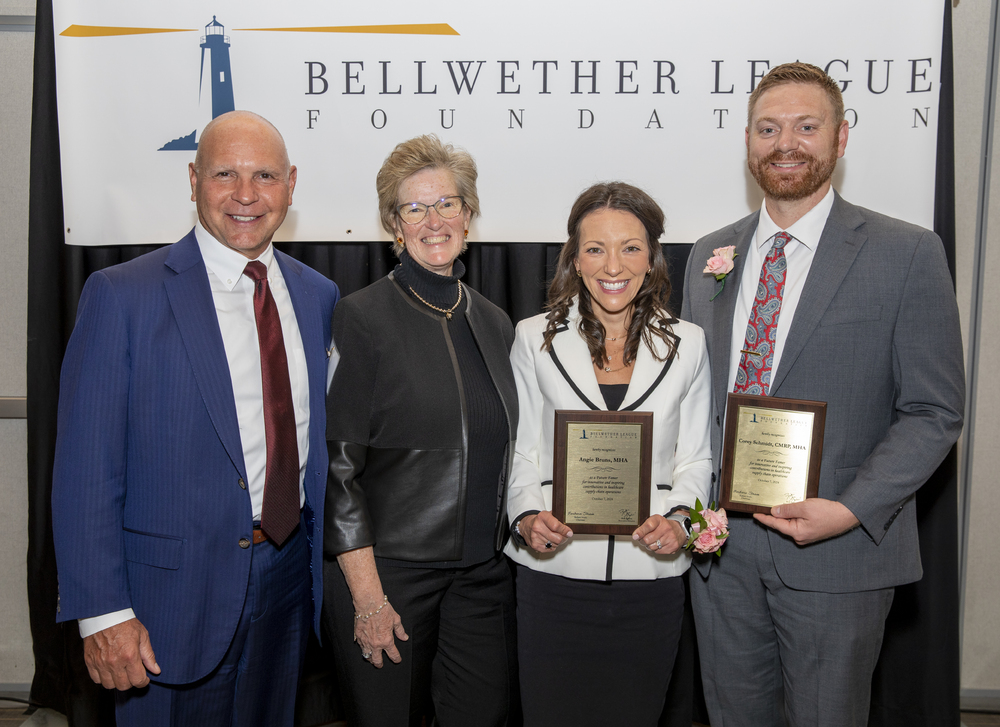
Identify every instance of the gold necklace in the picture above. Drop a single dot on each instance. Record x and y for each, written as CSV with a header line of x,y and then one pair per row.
x,y
608,355
447,312
609,370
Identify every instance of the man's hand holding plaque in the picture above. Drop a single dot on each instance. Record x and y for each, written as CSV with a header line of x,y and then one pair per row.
x,y
810,521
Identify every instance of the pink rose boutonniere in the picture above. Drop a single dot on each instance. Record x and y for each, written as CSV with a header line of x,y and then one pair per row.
x,y
709,529
720,265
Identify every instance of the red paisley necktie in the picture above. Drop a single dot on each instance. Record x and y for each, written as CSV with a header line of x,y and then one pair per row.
x,y
754,373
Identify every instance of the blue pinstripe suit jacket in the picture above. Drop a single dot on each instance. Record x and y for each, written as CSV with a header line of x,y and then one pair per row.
x,y
148,506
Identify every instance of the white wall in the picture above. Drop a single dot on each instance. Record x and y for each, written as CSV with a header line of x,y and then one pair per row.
x,y
16,48
981,643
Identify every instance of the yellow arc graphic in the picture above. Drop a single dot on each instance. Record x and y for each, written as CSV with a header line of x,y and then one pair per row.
x,y
97,31
415,29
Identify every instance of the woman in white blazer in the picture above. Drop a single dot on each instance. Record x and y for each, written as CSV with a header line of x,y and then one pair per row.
x,y
599,616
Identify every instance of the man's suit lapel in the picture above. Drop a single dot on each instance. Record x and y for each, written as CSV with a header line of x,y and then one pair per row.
x,y
839,245
191,301
310,328
723,309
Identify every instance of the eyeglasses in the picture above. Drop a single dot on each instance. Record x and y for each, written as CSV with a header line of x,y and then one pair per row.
x,y
413,213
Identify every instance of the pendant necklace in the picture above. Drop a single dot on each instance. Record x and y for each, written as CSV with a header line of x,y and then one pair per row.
x,y
447,312
609,370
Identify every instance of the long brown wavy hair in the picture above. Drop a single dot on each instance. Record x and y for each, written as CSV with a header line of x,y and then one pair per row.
x,y
649,307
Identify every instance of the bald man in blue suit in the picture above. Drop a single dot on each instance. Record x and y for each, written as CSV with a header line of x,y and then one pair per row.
x,y
186,607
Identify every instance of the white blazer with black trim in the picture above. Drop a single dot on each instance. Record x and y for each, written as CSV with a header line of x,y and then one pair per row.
x,y
678,392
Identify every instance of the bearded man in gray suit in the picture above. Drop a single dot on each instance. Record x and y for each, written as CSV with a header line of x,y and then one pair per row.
x,y
790,618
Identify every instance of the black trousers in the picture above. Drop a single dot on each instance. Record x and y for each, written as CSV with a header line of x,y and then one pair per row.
x,y
460,662
593,654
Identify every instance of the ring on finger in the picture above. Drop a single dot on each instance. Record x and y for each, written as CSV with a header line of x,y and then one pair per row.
x,y
366,655
658,546
548,544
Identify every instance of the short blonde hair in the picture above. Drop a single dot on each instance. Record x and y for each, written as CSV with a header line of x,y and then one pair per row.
x,y
415,155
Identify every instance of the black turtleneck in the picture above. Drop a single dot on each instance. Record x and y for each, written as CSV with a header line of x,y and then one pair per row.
x,y
486,421
438,290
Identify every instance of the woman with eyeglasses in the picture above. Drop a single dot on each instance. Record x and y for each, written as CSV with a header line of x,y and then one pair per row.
x,y
421,415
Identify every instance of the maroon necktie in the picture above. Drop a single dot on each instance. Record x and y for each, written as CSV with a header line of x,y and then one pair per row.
x,y
754,373
280,512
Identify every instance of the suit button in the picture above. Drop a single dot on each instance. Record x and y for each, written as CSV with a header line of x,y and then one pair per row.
x,y
243,485
244,543
718,422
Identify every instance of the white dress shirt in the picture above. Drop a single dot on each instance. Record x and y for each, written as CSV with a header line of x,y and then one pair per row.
x,y
232,292
799,252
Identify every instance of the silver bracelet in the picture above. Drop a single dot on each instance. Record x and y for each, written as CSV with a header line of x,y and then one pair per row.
x,y
376,612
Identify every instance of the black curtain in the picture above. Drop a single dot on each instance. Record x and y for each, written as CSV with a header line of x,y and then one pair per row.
x,y
923,625
917,680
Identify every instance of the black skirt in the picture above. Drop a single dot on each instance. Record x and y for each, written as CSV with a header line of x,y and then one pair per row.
x,y
595,653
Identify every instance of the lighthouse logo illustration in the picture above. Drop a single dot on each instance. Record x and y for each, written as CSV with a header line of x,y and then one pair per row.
x,y
220,75
218,66
216,42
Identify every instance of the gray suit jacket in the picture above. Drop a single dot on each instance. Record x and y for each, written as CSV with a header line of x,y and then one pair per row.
x,y
876,336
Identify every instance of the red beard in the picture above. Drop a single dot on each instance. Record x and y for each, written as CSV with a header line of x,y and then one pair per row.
x,y
788,187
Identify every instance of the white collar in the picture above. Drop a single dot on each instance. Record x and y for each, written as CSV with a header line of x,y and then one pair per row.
x,y
808,229
226,263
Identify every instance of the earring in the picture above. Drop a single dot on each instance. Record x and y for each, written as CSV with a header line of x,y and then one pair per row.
x,y
579,274
399,240
466,233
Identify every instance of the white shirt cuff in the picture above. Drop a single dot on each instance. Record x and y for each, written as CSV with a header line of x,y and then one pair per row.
x,y
331,364
90,626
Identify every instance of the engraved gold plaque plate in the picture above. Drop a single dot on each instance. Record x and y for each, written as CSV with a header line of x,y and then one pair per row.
x,y
772,451
601,470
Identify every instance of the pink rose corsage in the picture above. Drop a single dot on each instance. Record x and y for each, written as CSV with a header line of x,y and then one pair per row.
x,y
720,265
709,529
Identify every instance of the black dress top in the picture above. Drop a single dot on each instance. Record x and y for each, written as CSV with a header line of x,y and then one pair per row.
x,y
614,395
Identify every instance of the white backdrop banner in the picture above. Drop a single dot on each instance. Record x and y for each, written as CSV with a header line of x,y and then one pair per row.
x,y
549,97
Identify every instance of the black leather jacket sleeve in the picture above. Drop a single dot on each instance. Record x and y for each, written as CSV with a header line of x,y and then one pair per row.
x,y
347,525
